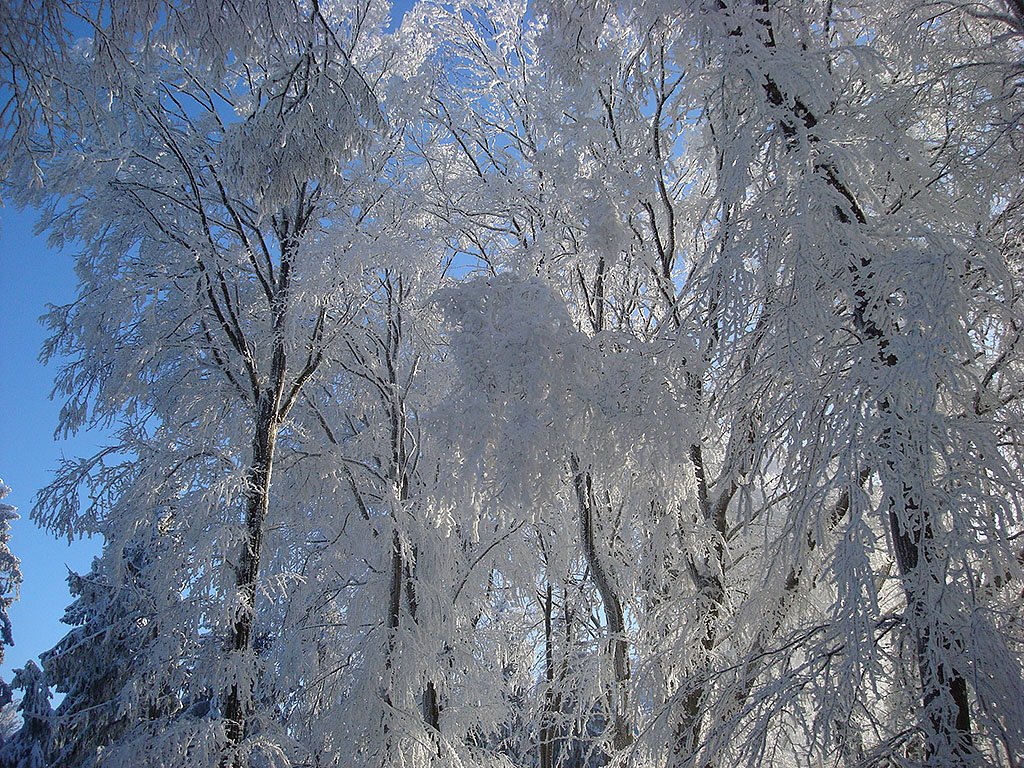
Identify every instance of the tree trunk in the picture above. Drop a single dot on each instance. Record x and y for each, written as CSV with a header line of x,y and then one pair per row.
x,y
943,687
239,704
710,595
547,725
622,730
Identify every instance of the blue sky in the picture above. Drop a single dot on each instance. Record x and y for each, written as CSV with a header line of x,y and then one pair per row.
x,y
33,276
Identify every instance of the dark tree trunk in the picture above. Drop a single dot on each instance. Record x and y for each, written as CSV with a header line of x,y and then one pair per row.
x,y
239,704
547,724
622,730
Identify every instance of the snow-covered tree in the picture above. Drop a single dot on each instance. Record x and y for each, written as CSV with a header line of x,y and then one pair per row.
x,y
756,309
206,284
30,746
549,383
116,620
10,580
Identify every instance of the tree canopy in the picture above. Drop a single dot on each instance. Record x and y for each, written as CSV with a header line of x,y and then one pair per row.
x,y
546,383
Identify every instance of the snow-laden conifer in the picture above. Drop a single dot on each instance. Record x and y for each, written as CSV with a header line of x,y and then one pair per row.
x,y
30,747
10,581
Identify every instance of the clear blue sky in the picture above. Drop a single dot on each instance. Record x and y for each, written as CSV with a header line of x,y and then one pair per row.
x,y
33,275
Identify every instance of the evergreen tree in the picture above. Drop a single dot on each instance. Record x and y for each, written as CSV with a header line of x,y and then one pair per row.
x,y
10,580
113,630
30,746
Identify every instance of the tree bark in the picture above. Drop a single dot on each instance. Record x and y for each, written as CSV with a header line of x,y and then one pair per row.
x,y
239,704
547,726
622,730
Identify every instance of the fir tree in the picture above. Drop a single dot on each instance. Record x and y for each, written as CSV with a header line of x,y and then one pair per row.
x,y
10,580
30,746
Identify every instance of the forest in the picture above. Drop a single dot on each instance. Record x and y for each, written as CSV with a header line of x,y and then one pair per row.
x,y
529,383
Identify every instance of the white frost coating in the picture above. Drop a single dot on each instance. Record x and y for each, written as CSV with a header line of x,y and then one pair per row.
x,y
10,581
541,384
519,360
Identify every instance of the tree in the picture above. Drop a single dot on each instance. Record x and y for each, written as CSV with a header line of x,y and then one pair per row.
x,y
10,580
901,278
537,384
30,746
745,330
202,287
116,618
